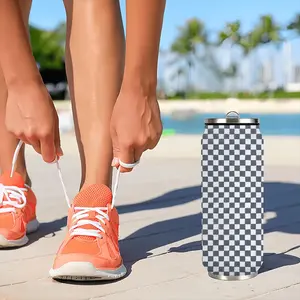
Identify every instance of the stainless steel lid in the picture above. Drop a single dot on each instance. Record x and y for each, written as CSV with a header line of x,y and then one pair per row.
x,y
232,117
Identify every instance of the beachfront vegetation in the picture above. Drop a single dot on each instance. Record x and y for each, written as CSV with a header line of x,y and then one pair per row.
x,y
48,46
195,44
277,95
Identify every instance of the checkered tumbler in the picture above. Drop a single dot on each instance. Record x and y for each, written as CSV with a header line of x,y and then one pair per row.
x,y
232,200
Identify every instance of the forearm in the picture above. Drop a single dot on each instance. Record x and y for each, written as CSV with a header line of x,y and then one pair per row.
x,y
16,59
143,30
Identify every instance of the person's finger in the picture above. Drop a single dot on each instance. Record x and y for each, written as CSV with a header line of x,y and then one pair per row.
x,y
126,156
48,150
138,152
23,138
59,151
154,140
116,155
116,149
34,142
152,144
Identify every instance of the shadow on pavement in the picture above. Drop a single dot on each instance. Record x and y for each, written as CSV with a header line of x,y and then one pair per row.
x,y
281,200
170,199
274,261
48,230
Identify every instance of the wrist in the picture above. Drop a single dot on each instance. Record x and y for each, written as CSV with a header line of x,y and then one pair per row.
x,y
143,83
20,82
20,88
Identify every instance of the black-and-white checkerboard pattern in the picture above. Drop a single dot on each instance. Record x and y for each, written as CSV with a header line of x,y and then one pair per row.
x,y
232,199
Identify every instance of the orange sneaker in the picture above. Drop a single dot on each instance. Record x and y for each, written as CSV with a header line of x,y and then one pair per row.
x,y
17,211
90,250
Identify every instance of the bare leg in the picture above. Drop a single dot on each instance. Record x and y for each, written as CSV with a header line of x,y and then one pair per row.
x,y
8,141
94,59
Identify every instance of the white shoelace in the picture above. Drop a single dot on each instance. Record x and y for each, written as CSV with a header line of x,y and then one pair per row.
x,y
15,197
12,197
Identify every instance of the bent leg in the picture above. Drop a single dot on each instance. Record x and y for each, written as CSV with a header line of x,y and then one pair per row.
x,y
94,61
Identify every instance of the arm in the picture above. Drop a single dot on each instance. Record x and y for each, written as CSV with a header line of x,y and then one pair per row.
x,y
16,59
30,114
136,124
143,29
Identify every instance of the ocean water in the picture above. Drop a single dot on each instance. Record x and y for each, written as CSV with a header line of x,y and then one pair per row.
x,y
270,124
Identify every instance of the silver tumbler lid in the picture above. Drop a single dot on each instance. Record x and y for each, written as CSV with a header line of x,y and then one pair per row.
x,y
232,117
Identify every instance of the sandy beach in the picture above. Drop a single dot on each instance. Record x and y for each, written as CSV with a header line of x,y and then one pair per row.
x,y
219,106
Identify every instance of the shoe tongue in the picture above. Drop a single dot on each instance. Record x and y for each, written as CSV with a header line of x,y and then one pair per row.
x,y
96,195
15,180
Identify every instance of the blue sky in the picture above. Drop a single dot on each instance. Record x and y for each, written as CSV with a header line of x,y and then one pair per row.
x,y
214,13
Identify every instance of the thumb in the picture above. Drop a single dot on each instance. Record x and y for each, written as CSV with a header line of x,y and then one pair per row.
x,y
59,151
126,157
116,149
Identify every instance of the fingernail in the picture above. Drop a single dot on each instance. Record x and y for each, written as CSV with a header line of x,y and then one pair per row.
x,y
54,161
60,151
114,162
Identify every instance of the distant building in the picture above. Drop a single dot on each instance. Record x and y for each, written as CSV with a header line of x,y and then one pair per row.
x,y
294,84
297,74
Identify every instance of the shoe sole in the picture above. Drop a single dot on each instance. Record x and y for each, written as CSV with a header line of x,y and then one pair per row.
x,y
32,226
85,271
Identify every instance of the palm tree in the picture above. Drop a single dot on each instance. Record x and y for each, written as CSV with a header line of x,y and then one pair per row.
x,y
247,46
295,25
231,36
294,28
267,31
185,46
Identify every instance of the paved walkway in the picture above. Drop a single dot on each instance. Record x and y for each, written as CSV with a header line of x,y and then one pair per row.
x,y
159,205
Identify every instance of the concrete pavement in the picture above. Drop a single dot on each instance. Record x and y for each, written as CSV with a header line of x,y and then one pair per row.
x,y
159,205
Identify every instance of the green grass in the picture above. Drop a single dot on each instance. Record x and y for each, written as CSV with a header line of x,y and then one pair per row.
x,y
245,96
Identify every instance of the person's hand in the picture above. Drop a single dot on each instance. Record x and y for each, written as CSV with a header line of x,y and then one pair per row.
x,y
32,118
135,127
